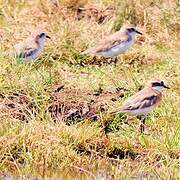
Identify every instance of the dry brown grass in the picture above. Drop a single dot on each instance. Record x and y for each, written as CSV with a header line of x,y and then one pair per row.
x,y
109,145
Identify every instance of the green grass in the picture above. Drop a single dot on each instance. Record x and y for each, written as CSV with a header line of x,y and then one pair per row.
x,y
35,145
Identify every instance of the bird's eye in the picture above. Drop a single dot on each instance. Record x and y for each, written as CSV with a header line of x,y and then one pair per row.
x,y
132,29
41,35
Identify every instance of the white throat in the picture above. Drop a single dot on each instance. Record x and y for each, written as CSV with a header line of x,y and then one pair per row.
x,y
42,42
158,88
132,34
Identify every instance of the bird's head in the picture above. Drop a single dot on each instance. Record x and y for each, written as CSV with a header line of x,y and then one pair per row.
x,y
131,29
157,85
41,37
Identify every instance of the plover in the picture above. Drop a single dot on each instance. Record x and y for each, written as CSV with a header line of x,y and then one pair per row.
x,y
116,43
31,48
144,101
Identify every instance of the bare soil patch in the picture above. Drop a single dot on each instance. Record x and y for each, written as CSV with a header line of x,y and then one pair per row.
x,y
69,105
73,105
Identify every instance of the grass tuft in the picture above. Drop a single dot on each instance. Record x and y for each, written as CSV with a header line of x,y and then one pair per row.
x,y
54,111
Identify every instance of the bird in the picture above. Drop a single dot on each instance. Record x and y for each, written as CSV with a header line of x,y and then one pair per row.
x,y
31,48
144,101
116,43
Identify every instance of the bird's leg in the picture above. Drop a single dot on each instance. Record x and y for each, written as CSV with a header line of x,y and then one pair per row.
x,y
126,121
112,60
115,60
142,126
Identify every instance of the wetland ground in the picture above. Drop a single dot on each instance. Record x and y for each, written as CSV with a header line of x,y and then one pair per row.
x,y
54,112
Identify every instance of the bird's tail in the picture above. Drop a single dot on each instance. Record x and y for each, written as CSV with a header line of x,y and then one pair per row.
x,y
88,51
117,111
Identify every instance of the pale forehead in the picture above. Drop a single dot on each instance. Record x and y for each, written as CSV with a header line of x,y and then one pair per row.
x,y
153,81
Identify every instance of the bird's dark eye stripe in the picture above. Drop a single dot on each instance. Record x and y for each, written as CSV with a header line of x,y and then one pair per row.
x,y
131,29
157,84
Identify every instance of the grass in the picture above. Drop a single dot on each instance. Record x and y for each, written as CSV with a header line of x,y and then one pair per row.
x,y
37,141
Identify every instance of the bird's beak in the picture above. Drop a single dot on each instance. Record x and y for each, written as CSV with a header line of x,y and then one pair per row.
x,y
138,32
166,87
48,37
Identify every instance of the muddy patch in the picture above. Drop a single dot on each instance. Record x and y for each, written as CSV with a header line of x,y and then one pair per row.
x,y
115,153
122,154
64,104
73,105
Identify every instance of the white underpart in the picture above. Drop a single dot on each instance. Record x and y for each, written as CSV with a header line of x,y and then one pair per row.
x,y
39,50
119,49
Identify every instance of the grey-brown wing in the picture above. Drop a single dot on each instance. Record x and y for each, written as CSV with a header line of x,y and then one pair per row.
x,y
108,46
108,43
26,48
141,102
112,41
27,52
